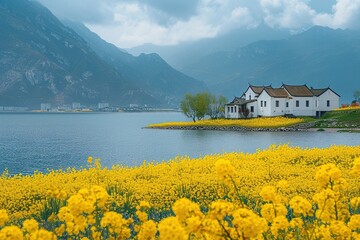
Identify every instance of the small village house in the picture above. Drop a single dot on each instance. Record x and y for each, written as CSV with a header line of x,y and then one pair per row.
x,y
297,100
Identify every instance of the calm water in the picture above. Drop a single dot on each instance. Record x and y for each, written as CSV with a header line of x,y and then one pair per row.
x,y
31,141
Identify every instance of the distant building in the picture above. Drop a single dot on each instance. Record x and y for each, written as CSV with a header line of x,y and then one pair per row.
x,y
75,105
133,105
297,100
103,105
45,107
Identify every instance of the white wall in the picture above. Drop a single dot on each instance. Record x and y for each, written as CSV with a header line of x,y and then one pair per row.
x,y
327,96
255,105
278,111
249,94
303,110
232,111
264,110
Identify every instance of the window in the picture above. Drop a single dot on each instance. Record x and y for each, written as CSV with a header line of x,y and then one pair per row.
x,y
261,103
252,109
264,103
297,103
228,109
287,104
232,109
249,96
235,109
277,103
328,103
307,103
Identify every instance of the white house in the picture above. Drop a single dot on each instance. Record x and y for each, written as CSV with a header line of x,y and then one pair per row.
x,y
297,100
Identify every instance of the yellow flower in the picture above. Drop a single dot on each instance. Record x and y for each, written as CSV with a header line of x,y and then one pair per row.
x,y
356,168
4,217
225,171
296,223
170,228
300,205
11,233
339,230
90,159
248,224
268,193
355,203
147,231
30,225
354,223
279,226
283,184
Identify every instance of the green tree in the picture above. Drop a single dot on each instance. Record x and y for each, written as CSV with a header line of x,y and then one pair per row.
x,y
188,106
198,106
202,104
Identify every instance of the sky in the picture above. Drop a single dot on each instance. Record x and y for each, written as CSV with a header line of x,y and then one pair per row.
x,y
130,23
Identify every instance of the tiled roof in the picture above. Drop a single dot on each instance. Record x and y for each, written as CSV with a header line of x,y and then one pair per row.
x,y
258,89
298,90
318,92
277,92
240,101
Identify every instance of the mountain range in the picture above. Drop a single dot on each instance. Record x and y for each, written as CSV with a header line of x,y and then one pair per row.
x,y
319,57
45,60
42,60
184,54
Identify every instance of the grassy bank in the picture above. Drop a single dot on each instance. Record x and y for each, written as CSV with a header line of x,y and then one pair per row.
x,y
342,118
279,191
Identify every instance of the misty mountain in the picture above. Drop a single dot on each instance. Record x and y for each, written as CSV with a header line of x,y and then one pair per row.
x,y
319,57
149,71
184,54
44,61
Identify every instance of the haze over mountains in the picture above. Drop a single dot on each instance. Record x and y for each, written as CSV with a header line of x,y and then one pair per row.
x,y
318,57
44,61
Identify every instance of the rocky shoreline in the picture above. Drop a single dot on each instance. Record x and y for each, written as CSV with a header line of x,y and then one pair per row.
x,y
234,128
302,127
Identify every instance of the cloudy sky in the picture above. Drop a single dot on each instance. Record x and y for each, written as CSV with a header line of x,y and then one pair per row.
x,y
129,23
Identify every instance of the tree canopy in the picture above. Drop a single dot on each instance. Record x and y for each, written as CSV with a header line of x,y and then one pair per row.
x,y
200,105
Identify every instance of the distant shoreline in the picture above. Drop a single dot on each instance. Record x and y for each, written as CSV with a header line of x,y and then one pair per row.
x,y
81,112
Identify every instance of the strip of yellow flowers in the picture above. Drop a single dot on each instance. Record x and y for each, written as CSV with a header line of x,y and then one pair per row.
x,y
273,122
279,193
348,108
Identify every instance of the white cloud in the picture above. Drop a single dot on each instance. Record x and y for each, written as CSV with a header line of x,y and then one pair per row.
x,y
129,23
292,14
134,24
346,14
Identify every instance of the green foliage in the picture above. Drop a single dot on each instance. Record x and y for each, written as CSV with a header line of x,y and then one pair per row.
x,y
198,106
340,119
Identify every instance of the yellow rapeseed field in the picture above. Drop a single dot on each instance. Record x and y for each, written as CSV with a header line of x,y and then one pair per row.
x,y
271,122
282,192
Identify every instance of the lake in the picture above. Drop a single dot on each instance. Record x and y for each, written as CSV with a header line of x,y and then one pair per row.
x,y
41,141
